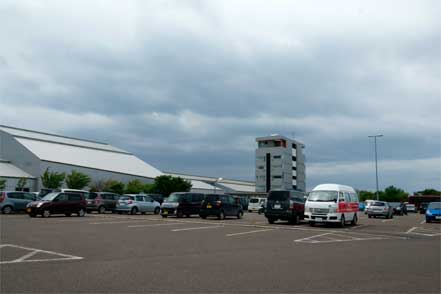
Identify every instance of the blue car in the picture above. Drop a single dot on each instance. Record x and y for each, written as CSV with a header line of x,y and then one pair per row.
x,y
361,206
433,212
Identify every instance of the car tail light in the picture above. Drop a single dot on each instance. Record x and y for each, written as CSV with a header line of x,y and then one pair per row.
x,y
97,201
218,203
129,202
3,197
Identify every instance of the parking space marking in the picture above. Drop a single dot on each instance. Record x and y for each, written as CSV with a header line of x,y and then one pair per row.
x,y
387,220
358,226
422,222
249,232
155,225
119,222
33,252
423,232
197,228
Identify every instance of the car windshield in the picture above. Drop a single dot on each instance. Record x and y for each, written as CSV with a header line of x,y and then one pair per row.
x,y
435,205
173,198
323,196
49,197
210,198
92,196
125,197
378,204
254,200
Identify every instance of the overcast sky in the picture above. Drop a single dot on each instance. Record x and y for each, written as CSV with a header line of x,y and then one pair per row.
x,y
188,85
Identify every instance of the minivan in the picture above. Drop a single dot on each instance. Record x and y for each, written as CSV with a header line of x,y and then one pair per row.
x,y
256,203
332,203
15,201
65,203
221,206
102,201
180,204
285,205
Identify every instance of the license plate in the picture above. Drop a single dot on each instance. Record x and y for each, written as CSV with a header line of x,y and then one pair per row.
x,y
209,206
438,217
165,212
318,219
277,206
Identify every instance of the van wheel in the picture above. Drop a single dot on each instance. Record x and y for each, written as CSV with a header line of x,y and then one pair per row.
x,y
271,220
354,220
342,221
157,210
221,215
101,210
46,213
240,214
7,210
134,210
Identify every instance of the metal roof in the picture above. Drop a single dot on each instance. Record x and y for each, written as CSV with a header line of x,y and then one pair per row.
x,y
237,188
22,133
202,185
8,170
124,163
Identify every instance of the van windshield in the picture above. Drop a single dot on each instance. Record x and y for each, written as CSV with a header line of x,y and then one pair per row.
x,y
323,196
175,198
92,195
254,200
50,197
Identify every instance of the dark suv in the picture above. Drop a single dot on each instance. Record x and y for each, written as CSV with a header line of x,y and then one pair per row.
x,y
181,204
59,203
102,201
220,206
285,205
15,201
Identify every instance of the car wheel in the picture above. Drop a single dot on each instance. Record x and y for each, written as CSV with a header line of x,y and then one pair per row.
x,y
82,212
271,220
7,209
240,214
134,210
342,221
369,216
157,210
221,215
46,213
101,210
250,211
119,212
354,220
67,214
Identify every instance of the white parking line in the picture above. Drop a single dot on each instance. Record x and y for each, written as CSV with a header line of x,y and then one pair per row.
x,y
35,251
422,222
155,225
197,228
249,232
411,230
311,237
118,222
387,220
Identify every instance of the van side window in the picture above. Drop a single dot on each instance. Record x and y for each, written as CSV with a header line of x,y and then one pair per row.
x,y
74,197
62,197
341,197
139,198
347,197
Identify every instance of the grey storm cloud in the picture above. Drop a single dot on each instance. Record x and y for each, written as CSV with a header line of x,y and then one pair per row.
x,y
188,86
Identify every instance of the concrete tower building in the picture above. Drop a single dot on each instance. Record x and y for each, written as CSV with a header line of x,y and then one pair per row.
x,y
280,164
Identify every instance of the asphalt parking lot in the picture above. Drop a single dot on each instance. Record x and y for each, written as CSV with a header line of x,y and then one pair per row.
x,y
145,253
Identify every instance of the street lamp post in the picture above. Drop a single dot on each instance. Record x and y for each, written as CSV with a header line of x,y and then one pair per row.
x,y
214,185
376,165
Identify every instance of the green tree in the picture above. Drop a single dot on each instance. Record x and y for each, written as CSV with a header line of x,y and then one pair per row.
x,y
21,184
97,186
134,187
429,192
52,180
393,194
166,185
149,188
2,184
77,180
365,195
114,187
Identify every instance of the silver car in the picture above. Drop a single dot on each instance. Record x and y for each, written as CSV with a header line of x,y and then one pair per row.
x,y
379,208
134,203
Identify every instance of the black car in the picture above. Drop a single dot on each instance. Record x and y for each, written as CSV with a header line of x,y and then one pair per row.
x,y
221,206
180,204
66,203
285,205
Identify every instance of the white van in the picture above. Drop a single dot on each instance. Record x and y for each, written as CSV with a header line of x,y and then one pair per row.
x,y
332,203
256,203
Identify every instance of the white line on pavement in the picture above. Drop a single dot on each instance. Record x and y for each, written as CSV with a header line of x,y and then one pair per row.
x,y
422,222
197,228
249,232
387,220
119,222
411,230
309,238
33,252
155,225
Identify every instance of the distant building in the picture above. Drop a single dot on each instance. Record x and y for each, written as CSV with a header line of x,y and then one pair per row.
x,y
280,164
27,154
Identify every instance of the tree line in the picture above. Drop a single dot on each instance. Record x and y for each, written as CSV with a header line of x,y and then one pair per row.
x,y
393,194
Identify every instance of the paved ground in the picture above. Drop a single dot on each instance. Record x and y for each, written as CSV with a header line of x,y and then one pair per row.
x,y
113,253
